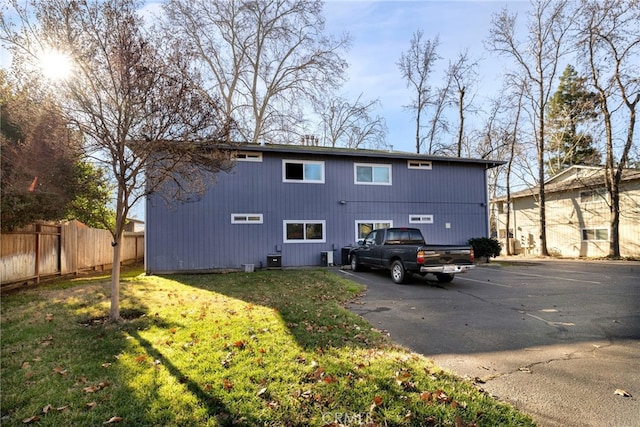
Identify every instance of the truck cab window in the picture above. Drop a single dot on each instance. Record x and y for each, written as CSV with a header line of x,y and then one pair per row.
x,y
371,238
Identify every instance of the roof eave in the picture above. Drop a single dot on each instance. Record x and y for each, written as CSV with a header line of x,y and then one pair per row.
x,y
347,152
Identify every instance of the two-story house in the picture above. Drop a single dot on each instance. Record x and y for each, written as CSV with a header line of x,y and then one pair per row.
x,y
578,215
301,205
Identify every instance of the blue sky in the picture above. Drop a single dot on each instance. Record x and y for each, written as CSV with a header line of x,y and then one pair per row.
x,y
382,30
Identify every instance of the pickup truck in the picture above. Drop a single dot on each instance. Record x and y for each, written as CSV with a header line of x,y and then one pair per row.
x,y
403,251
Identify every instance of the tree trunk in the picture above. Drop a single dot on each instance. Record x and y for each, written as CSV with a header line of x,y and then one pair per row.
x,y
418,132
461,117
114,313
541,196
614,239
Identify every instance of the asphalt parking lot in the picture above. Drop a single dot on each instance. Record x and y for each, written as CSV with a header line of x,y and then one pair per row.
x,y
560,340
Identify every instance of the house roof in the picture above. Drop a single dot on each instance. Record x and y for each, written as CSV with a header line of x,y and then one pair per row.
x,y
353,152
572,178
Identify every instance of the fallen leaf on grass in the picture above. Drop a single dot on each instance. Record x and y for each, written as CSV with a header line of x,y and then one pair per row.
x,y
31,419
426,396
50,408
94,388
622,393
49,317
227,384
113,420
441,396
329,379
91,405
377,401
60,371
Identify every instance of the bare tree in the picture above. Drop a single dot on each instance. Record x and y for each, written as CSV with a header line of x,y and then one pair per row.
x,y
416,66
611,46
353,125
499,139
537,61
132,98
438,122
267,59
463,76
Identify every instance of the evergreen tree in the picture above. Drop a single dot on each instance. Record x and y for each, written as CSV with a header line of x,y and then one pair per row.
x,y
571,106
43,175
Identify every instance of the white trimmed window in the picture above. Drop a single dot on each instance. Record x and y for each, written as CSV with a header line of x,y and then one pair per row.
x,y
303,171
372,174
246,218
595,234
421,219
304,231
419,164
365,227
592,196
248,156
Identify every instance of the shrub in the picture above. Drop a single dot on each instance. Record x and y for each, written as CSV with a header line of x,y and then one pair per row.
x,y
485,247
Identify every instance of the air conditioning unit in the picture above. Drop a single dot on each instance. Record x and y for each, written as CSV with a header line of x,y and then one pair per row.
x,y
326,258
274,261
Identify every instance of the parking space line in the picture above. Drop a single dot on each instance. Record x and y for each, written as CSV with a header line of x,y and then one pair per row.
x,y
558,278
550,323
484,282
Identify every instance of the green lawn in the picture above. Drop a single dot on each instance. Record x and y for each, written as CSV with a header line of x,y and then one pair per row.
x,y
274,348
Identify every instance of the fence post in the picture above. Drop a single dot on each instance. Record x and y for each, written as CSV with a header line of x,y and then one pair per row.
x,y
37,250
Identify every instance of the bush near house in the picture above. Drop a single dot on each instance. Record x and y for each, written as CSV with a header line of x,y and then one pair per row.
x,y
485,247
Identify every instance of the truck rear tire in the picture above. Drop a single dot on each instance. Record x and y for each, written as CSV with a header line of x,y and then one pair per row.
x,y
398,273
444,277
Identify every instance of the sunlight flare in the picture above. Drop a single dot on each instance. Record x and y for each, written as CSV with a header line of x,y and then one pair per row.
x,y
56,65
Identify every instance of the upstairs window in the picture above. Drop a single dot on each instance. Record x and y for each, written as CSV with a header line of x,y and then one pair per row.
x,y
421,219
303,171
248,156
246,218
372,174
419,164
593,196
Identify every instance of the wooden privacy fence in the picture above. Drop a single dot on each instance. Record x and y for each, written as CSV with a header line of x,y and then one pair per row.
x,y
42,250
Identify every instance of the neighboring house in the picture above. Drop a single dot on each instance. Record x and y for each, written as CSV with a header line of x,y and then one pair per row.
x,y
134,225
284,205
577,215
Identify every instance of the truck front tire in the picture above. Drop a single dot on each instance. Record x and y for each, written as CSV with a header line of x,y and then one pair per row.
x,y
398,273
355,264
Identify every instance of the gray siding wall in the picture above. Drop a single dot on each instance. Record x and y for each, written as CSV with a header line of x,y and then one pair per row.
x,y
200,236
